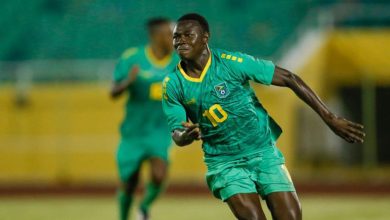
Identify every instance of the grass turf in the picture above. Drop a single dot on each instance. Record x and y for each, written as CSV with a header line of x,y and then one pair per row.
x,y
187,208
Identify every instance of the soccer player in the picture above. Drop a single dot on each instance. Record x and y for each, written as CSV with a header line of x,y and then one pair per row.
x,y
208,97
144,132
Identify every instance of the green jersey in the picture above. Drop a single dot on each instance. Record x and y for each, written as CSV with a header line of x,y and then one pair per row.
x,y
231,119
143,111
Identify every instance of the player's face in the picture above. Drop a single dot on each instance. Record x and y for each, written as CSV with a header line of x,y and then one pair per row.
x,y
189,40
162,36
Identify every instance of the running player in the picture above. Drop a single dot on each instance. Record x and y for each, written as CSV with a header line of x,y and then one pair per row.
x,y
144,132
210,88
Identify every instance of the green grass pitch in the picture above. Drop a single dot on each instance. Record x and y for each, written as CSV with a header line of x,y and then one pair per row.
x,y
185,207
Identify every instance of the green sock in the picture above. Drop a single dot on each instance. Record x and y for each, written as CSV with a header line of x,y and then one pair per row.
x,y
152,192
124,205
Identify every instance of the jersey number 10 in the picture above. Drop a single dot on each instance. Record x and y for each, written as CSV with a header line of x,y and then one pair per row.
x,y
212,115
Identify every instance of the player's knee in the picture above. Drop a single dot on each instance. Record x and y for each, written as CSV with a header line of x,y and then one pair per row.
x,y
158,178
248,214
127,188
131,185
294,213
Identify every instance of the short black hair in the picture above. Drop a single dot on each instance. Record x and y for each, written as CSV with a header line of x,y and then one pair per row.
x,y
156,21
196,17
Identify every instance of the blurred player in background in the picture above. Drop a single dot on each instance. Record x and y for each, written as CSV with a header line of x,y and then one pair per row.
x,y
144,132
211,89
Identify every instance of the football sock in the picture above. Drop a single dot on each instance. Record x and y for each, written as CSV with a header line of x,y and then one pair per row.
x,y
125,202
152,192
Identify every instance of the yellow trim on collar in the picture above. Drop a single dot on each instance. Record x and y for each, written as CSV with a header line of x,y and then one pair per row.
x,y
160,63
192,79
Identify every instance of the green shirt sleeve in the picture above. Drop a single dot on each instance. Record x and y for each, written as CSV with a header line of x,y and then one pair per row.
x,y
251,68
172,107
125,63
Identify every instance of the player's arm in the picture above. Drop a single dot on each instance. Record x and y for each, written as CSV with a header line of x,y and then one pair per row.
x,y
350,131
118,87
183,132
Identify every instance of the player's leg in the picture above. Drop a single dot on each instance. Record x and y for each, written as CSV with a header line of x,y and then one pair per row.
x,y
126,195
246,206
129,159
157,145
284,206
231,182
159,170
275,185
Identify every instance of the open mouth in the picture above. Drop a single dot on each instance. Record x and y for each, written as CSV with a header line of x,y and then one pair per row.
x,y
182,48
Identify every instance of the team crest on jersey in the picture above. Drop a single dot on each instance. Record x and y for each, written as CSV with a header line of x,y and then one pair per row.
x,y
222,90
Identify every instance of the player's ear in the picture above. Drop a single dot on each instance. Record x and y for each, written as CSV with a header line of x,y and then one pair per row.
x,y
206,37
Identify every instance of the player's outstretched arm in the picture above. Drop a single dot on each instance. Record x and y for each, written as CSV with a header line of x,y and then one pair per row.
x,y
117,89
186,136
350,131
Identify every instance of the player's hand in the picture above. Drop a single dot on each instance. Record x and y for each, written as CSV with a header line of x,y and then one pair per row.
x,y
349,131
185,137
192,130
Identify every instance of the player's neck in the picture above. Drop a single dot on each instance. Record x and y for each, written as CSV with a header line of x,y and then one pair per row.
x,y
195,67
159,52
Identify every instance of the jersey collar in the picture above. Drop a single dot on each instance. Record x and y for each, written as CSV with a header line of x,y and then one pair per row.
x,y
202,75
160,63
